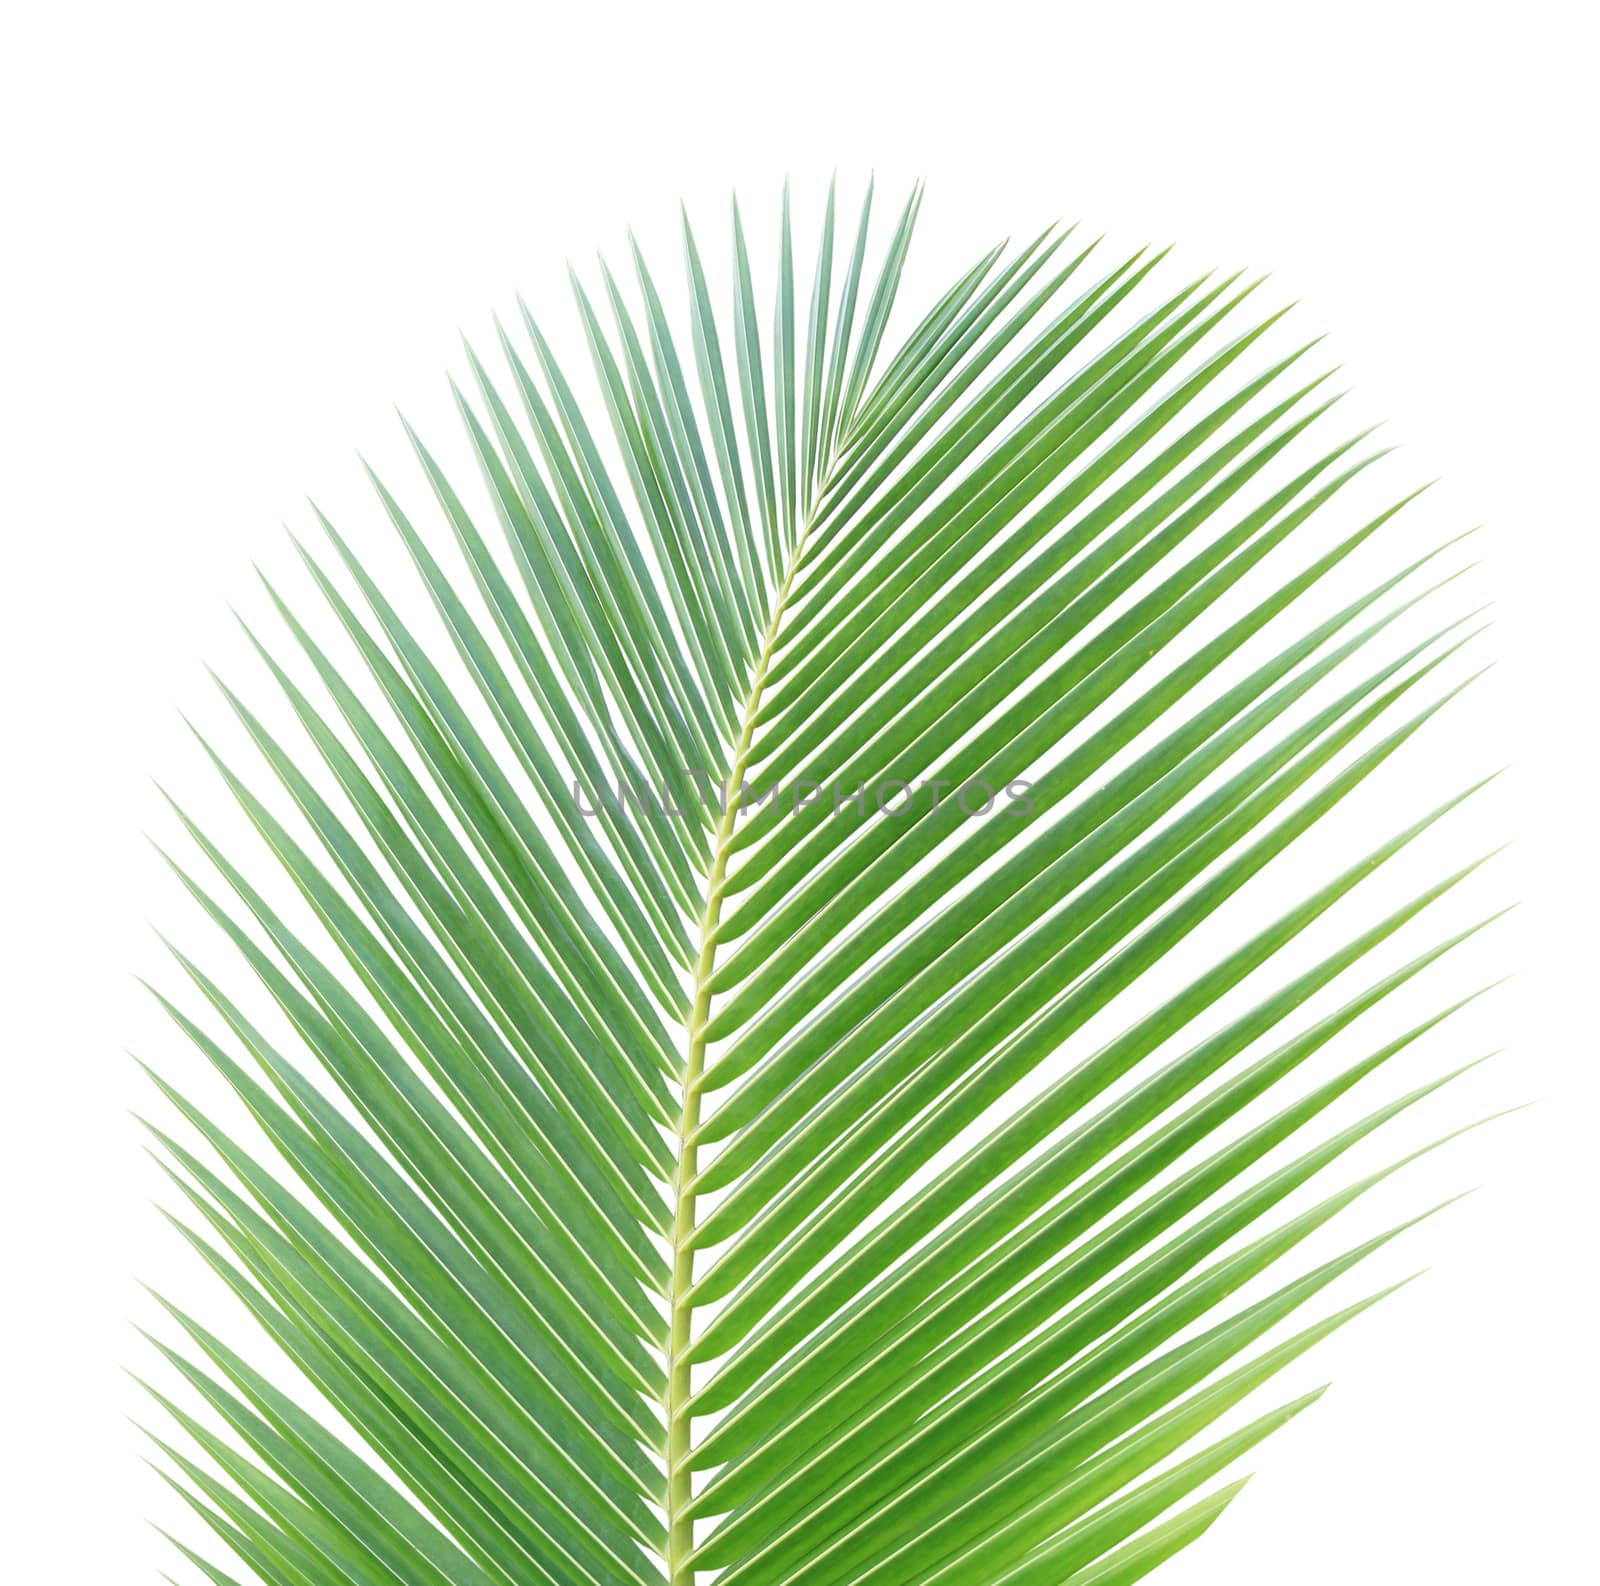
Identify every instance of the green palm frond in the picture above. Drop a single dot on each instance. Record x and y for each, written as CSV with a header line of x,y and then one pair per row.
x,y
684,1143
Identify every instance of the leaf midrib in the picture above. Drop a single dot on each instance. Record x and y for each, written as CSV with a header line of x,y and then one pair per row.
x,y
680,1523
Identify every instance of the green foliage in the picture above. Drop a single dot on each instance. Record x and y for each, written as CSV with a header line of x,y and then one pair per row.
x,y
658,1183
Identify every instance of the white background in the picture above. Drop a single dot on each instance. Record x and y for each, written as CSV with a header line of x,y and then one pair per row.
x,y
237,234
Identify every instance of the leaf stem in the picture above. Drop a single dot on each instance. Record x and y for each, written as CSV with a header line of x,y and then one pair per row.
x,y
680,1527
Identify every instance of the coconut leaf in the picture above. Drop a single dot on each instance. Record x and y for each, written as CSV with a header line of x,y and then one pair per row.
x,y
682,1143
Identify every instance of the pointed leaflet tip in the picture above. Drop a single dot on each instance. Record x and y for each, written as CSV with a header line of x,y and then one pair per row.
x,y
1272,318
405,424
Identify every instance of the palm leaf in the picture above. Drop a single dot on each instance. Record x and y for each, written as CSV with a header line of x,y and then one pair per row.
x,y
681,1142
